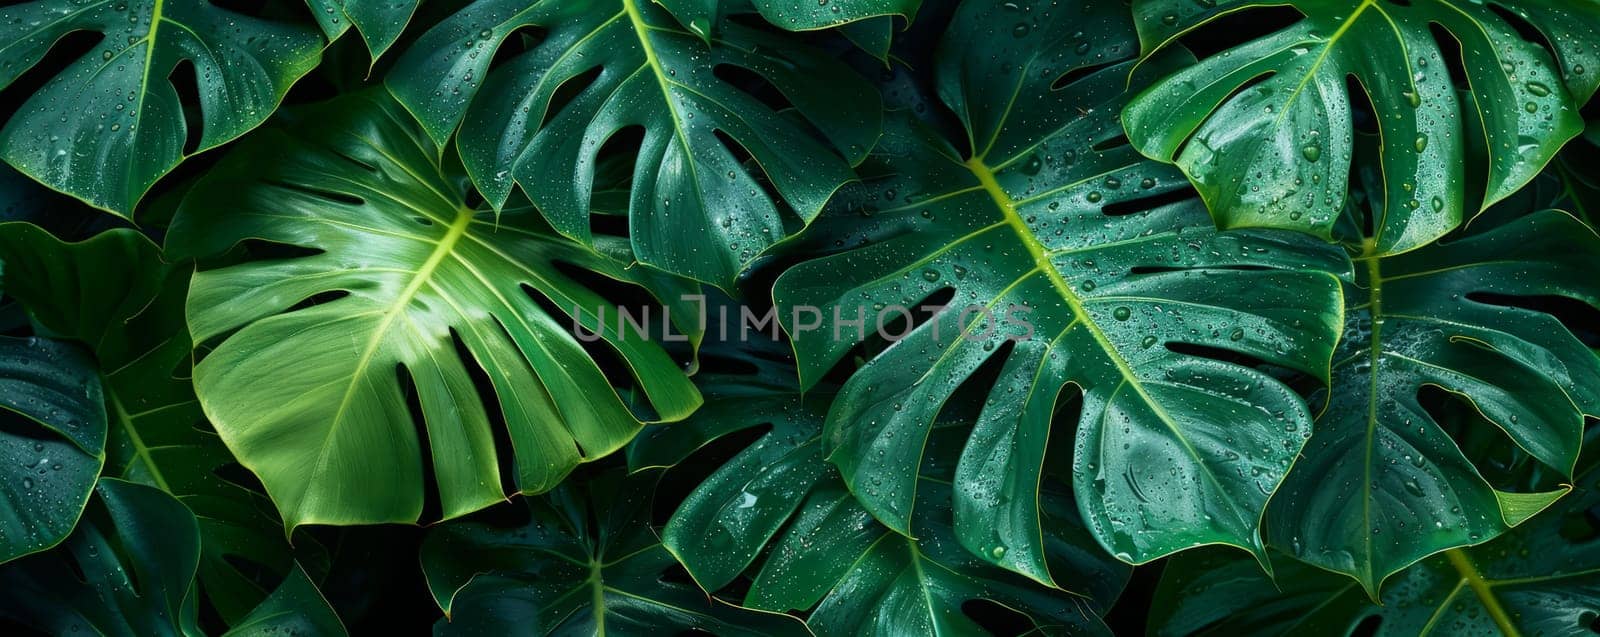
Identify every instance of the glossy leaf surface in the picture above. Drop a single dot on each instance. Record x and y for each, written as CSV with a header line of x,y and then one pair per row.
x,y
780,498
1542,578
1105,275
126,570
111,123
52,441
409,287
1382,484
695,207
1264,129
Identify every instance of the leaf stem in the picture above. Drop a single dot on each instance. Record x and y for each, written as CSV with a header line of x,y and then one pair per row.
x,y
1481,588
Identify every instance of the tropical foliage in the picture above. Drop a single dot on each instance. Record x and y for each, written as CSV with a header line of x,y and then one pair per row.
x,y
800,317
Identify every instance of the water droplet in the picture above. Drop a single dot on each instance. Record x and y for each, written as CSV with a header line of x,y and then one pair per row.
x,y
1121,313
1312,153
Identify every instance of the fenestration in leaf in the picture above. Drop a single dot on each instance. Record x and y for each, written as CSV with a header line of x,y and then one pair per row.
x,y
585,562
1542,578
52,441
779,500
111,124
114,293
1122,277
405,285
695,208
1381,484
1264,130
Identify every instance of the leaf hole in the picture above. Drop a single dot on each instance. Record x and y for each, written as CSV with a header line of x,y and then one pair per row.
x,y
521,40
996,618
432,509
504,452
1233,29
568,91
1363,115
754,85
70,47
1178,194
184,80
1450,51
1073,75
1525,29
1580,318
320,193
1368,627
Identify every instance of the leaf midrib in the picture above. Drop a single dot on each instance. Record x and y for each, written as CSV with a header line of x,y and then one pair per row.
x,y
441,251
1042,263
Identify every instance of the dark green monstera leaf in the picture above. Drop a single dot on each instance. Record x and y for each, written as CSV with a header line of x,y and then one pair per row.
x,y
1100,270
1382,484
779,496
129,569
405,285
1265,129
126,570
1543,578
111,123
52,440
378,22
114,293
696,208
585,562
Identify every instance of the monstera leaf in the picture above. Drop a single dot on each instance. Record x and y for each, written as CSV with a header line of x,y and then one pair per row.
x,y
1542,578
1382,484
111,123
695,208
406,286
128,570
1098,270
52,440
113,293
1265,130
825,552
585,562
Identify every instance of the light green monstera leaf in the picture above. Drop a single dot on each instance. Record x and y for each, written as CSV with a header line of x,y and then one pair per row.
x,y
52,441
586,562
696,207
111,123
1098,270
1382,484
1542,578
392,286
114,293
824,553
1264,130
